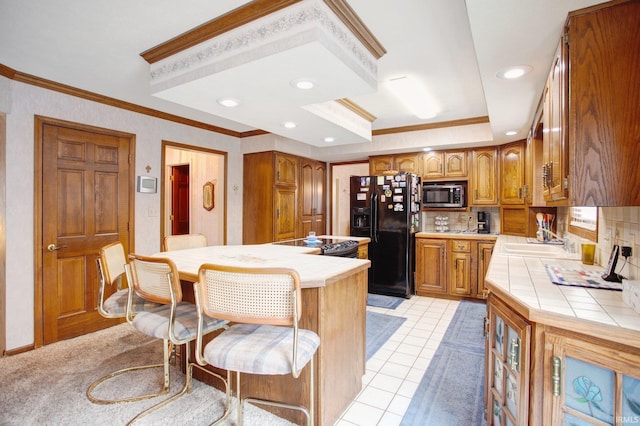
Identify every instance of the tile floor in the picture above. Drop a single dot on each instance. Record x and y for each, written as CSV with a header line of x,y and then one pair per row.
x,y
394,372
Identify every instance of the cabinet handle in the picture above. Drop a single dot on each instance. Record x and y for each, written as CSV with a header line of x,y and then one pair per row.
x,y
520,193
475,195
526,191
555,375
514,354
440,168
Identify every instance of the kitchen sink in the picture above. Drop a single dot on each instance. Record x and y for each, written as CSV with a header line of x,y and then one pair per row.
x,y
535,250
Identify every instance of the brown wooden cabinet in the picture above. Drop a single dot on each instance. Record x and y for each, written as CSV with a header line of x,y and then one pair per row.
x,y
512,177
461,268
444,165
485,250
451,267
311,197
603,104
483,190
555,148
284,197
507,365
431,267
590,379
409,163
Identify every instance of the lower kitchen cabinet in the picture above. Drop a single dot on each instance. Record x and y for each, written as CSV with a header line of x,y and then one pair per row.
x,y
431,267
590,382
452,268
539,374
507,365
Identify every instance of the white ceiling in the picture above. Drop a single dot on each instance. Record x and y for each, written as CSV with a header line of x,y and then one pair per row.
x,y
455,47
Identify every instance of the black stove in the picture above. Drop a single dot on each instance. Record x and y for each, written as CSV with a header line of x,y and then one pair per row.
x,y
328,246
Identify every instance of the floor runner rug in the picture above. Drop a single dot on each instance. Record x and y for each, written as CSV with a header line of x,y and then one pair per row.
x,y
451,390
382,301
379,328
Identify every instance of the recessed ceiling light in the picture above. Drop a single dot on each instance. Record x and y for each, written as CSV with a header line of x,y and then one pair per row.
x,y
426,149
512,73
289,124
304,83
329,139
511,133
228,102
415,96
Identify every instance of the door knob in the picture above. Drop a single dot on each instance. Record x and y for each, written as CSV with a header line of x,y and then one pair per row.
x,y
53,247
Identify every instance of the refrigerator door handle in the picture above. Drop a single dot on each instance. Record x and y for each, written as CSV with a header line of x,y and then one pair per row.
x,y
374,219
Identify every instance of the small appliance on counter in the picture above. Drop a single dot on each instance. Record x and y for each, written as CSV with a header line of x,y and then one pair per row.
x,y
484,223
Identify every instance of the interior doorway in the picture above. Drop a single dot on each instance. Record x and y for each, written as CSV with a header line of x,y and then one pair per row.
x,y
340,194
199,191
180,190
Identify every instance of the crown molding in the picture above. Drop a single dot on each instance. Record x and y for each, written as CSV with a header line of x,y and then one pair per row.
x,y
430,126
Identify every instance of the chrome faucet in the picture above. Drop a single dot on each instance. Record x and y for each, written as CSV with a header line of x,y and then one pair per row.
x,y
543,231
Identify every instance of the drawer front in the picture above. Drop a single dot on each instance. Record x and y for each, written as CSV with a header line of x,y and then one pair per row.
x,y
461,246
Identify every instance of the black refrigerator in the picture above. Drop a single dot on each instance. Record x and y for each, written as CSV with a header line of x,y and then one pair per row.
x,y
386,209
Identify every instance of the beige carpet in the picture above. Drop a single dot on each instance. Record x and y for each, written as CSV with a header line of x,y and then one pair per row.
x,y
47,386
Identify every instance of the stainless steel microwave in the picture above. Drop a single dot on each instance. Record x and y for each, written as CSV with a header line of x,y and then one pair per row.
x,y
445,195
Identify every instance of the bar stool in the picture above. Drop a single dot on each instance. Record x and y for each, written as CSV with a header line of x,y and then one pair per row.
x,y
111,271
175,321
265,306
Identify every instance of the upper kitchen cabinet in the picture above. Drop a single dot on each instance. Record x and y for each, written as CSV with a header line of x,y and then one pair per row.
x,y
441,164
409,163
555,167
483,189
311,197
512,177
604,104
270,187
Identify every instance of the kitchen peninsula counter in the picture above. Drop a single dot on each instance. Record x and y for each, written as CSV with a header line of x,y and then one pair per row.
x,y
523,282
546,340
334,298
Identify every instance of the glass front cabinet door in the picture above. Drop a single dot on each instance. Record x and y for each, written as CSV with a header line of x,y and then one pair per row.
x,y
590,383
507,366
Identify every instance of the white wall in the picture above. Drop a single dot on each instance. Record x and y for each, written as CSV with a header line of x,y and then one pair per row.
x,y
26,101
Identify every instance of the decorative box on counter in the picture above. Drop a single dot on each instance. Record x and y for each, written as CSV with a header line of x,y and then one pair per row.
x,y
631,294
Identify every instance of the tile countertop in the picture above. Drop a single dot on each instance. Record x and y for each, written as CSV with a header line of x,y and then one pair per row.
x,y
315,271
523,282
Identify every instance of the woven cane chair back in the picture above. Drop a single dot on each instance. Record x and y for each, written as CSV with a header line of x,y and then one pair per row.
x,y
181,242
155,279
111,260
250,295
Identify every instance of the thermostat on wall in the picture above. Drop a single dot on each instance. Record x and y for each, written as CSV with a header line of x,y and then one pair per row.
x,y
147,184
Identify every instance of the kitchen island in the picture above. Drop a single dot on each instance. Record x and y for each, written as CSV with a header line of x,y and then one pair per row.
x,y
550,348
334,297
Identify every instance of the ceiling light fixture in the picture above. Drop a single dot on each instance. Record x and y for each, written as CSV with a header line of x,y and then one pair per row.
x,y
289,124
304,83
426,149
414,96
329,139
511,133
513,73
228,102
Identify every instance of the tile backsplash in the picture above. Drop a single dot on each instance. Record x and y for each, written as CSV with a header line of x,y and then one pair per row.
x,y
459,221
616,225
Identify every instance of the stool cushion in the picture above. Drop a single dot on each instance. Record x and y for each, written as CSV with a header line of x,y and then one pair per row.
x,y
155,322
260,349
116,304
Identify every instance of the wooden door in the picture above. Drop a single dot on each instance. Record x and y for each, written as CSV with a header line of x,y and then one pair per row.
x,y
409,163
381,164
455,164
85,205
432,165
485,250
180,196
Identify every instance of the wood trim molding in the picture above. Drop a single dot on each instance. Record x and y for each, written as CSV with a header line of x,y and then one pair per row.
x,y
356,109
250,12
213,28
85,94
3,234
349,17
429,126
